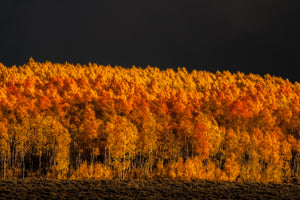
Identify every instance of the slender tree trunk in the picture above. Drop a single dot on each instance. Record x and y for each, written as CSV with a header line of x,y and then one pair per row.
x,y
3,164
40,161
79,158
163,159
185,147
48,160
93,160
109,157
149,163
124,161
31,161
23,165
129,158
15,158
192,151
151,150
11,159
93,156
105,155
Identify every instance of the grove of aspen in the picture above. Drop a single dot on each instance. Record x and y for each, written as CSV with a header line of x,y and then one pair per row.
x,y
65,121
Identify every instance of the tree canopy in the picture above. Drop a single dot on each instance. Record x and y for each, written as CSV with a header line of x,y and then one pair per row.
x,y
93,121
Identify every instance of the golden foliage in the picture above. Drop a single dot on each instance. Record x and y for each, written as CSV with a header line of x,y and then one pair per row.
x,y
103,122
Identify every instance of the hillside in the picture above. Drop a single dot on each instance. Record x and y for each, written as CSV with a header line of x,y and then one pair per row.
x,y
102,122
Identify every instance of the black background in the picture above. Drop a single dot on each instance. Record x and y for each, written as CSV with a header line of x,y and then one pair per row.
x,y
251,36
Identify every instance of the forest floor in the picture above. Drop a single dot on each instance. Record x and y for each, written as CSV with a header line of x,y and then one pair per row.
x,y
141,189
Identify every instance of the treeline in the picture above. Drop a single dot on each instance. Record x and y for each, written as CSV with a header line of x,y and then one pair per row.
x,y
103,122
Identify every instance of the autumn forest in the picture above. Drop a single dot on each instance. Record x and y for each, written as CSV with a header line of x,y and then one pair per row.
x,y
64,121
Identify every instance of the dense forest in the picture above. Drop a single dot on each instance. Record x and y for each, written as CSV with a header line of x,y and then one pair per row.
x,y
101,122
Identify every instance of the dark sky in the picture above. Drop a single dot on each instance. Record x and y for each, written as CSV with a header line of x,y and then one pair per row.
x,y
257,36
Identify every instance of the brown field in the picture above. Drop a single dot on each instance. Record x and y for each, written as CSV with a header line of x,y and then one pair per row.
x,y
140,189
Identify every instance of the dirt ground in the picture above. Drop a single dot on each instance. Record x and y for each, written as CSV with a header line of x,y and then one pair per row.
x,y
141,189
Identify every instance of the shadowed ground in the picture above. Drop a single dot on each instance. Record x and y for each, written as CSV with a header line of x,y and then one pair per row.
x,y
140,189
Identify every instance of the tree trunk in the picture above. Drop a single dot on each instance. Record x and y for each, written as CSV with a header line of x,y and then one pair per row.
x,y
185,147
3,163
40,161
23,165
124,161
105,155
